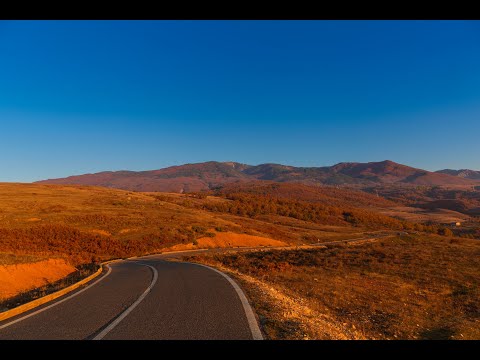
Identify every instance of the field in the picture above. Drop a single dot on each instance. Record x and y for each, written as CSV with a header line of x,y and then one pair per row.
x,y
89,224
418,215
460,199
85,225
407,287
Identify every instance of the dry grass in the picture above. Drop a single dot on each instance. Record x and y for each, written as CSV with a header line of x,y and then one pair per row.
x,y
10,259
85,223
409,287
442,216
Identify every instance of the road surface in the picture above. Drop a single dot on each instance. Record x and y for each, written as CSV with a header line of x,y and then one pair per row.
x,y
142,299
147,298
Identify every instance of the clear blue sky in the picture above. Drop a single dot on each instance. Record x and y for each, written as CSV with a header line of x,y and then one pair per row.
x,y
87,96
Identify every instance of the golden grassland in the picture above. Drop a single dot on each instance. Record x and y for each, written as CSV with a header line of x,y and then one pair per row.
x,y
406,287
85,224
420,215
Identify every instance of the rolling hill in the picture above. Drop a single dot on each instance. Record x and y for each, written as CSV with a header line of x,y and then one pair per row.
x,y
85,223
208,175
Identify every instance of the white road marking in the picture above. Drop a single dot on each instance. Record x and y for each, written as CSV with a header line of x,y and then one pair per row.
x,y
130,309
58,302
254,328
252,321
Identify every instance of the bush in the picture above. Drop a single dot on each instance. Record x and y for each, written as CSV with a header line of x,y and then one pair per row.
x,y
198,229
445,232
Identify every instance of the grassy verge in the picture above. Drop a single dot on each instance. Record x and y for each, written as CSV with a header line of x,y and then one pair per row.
x,y
407,287
82,272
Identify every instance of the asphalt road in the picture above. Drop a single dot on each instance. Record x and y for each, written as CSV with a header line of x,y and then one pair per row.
x,y
148,298
142,299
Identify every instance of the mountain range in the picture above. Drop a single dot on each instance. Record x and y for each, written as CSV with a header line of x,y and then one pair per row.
x,y
207,175
464,173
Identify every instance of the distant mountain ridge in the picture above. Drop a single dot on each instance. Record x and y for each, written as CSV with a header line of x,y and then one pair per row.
x,y
201,176
463,173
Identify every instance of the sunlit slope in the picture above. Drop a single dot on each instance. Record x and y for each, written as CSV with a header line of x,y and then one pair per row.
x,y
85,224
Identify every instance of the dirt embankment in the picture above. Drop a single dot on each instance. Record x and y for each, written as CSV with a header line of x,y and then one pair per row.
x,y
227,239
15,279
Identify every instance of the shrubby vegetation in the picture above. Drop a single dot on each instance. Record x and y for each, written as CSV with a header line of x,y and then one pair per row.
x,y
89,226
327,206
81,247
76,245
407,287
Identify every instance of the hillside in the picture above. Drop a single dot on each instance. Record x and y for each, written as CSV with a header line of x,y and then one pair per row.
x,y
463,173
208,175
384,172
465,201
185,178
327,195
83,223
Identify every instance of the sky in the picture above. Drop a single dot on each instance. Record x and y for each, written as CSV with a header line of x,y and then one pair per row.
x,y
87,96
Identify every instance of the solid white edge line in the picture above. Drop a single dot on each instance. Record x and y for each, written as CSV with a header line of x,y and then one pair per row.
x,y
58,302
122,316
252,320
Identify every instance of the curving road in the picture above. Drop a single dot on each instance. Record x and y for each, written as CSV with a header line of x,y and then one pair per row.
x,y
143,299
149,298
